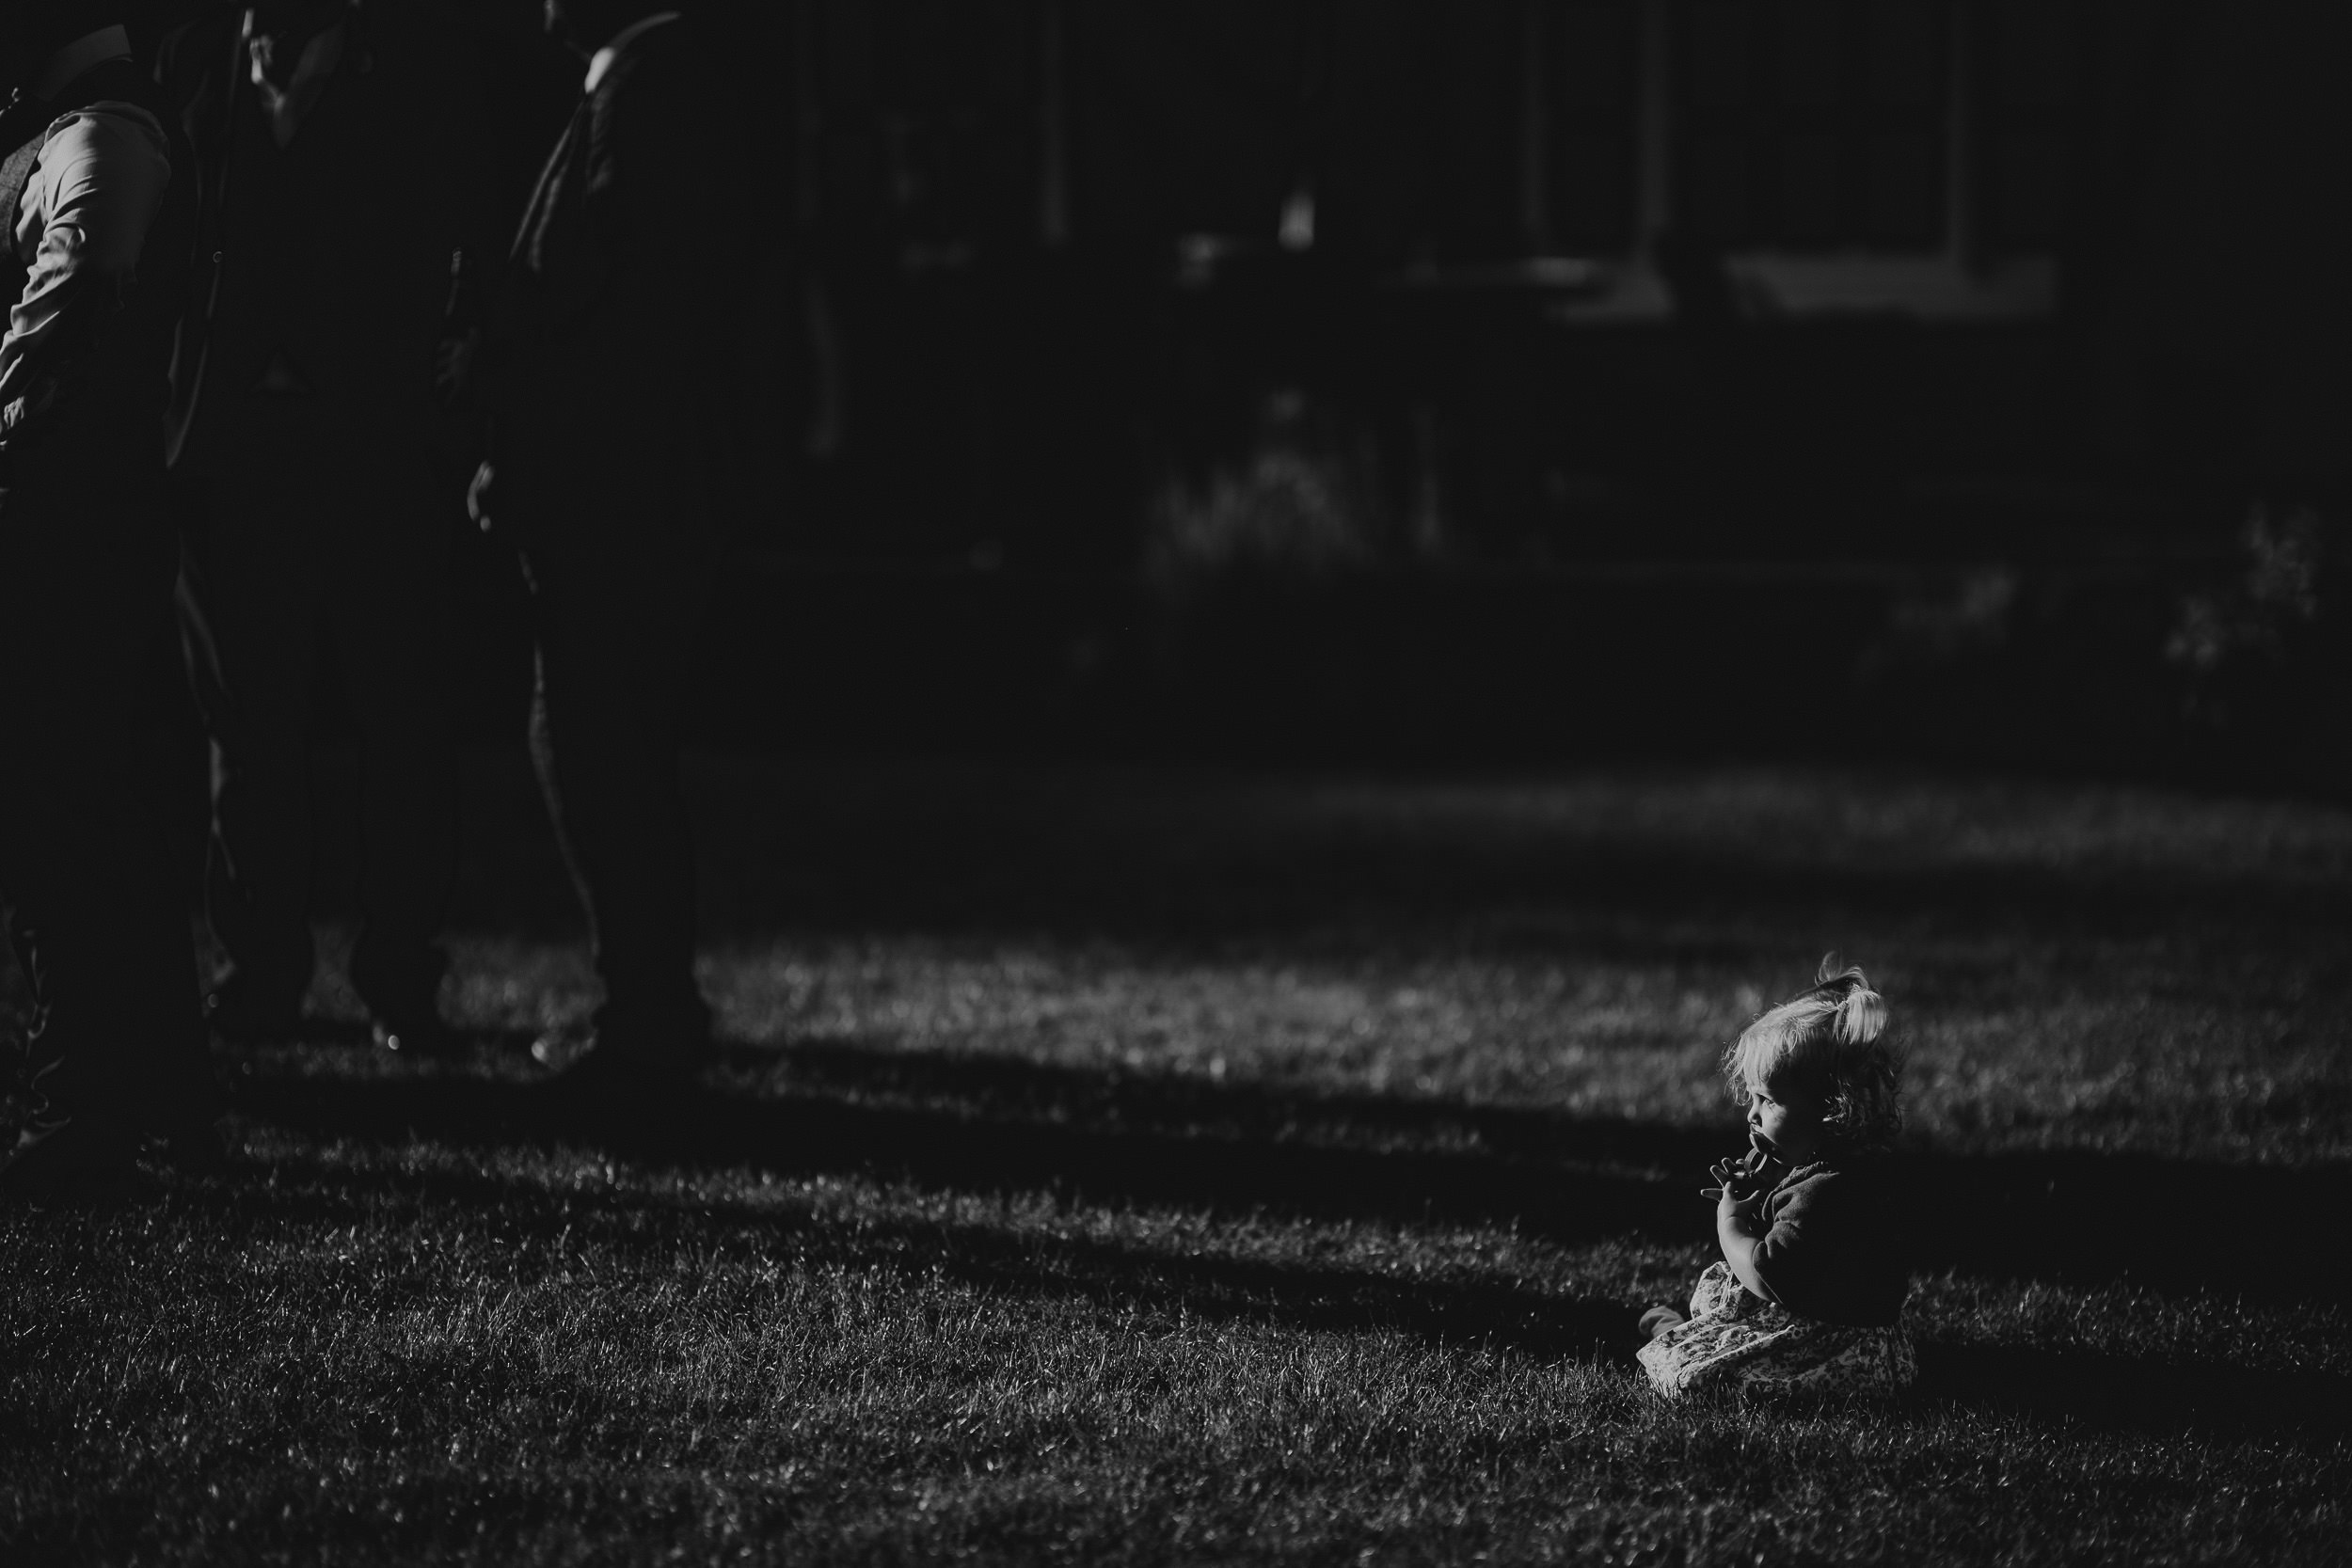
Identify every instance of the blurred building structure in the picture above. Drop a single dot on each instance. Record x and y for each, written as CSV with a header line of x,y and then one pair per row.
x,y
1623,356
1798,342
1562,250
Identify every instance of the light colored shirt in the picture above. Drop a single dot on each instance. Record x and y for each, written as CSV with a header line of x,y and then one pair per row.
x,y
94,189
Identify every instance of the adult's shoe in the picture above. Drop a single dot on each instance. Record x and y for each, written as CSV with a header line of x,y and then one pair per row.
x,y
403,1003
416,1033
622,1079
622,1095
72,1159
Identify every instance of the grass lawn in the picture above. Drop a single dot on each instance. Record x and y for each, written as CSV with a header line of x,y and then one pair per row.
x,y
1145,1164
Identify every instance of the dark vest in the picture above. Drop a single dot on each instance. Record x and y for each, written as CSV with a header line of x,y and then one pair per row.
x,y
625,290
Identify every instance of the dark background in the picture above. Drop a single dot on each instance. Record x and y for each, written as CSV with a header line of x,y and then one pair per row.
x,y
1065,439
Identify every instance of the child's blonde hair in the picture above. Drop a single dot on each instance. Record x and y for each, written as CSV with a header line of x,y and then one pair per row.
x,y
1834,1036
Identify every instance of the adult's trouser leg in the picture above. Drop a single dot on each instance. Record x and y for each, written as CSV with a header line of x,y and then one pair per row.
x,y
257,588
612,649
94,909
390,620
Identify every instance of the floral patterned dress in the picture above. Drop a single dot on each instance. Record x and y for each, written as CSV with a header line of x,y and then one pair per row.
x,y
1741,1344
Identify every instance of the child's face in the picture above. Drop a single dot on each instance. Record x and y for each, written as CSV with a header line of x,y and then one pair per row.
x,y
1784,1116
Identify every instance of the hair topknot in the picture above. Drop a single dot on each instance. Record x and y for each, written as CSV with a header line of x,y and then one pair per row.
x,y
1833,1032
1861,1015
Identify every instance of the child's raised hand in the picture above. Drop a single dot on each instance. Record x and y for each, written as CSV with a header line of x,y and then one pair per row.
x,y
1747,1174
1728,1178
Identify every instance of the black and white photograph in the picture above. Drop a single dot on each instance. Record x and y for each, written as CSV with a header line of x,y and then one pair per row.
x,y
1175,782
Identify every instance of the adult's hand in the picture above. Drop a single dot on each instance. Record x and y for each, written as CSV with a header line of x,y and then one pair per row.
x,y
480,494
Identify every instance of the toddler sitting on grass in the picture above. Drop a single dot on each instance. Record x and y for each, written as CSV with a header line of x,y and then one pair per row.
x,y
1809,1295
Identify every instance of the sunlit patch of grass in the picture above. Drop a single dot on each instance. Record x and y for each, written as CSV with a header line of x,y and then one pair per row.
x,y
2112,1067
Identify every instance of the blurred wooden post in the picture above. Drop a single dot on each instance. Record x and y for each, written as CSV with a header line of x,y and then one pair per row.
x,y
1053,128
1654,191
1534,130
1963,245
827,414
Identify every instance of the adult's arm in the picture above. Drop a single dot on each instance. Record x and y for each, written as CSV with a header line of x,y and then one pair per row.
x,y
94,193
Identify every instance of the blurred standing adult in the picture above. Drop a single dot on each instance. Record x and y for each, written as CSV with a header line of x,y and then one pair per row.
x,y
341,160
614,381
92,234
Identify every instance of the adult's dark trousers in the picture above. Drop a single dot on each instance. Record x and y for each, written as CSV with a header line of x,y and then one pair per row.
x,y
324,538
621,557
97,915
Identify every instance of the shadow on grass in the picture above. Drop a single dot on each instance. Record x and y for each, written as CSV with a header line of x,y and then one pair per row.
x,y
1017,1257
2109,1391
1020,1257
996,1124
